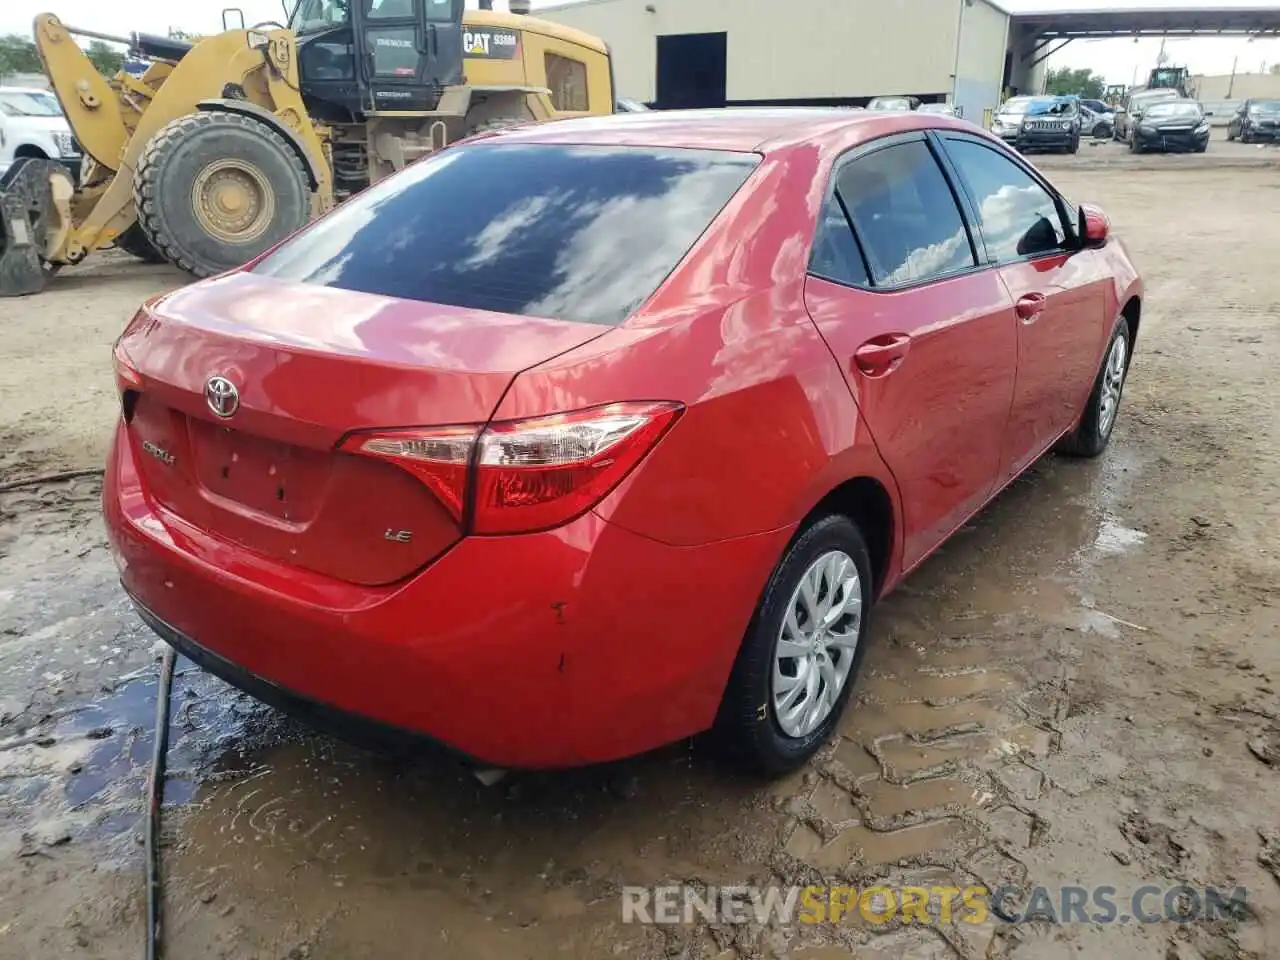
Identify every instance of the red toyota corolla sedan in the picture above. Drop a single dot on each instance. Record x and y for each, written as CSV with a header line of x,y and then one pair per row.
x,y
582,438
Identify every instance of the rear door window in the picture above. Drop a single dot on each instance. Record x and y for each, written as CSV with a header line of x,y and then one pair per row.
x,y
905,214
582,233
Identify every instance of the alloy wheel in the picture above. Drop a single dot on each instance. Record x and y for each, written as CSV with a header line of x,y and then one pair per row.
x,y
1112,384
817,643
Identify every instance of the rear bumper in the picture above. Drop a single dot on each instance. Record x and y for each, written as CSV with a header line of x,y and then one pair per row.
x,y
320,716
579,645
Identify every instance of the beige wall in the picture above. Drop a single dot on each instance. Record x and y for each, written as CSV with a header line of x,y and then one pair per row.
x,y
1243,87
984,37
790,50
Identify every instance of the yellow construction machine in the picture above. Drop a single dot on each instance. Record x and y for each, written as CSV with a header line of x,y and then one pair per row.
x,y
226,145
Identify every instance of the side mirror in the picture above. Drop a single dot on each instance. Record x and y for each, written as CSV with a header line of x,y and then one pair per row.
x,y
1094,227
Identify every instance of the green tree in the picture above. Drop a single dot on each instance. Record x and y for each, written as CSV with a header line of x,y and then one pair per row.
x,y
107,59
1082,82
18,55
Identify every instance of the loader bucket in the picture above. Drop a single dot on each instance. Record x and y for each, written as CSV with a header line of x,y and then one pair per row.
x,y
27,214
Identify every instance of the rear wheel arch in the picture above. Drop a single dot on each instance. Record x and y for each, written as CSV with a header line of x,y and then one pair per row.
x,y
1132,313
30,150
866,502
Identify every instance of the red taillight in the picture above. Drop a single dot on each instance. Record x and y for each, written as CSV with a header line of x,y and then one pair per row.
x,y
127,377
437,457
528,474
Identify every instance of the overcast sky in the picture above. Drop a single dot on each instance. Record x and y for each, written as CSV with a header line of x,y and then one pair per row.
x,y
1117,60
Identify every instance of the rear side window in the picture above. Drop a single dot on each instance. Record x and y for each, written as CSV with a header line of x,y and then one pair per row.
x,y
905,214
835,251
572,233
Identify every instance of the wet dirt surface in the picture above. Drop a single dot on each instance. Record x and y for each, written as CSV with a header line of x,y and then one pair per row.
x,y
1080,688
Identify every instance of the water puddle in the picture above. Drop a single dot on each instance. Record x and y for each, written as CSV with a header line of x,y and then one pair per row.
x,y
1114,538
86,770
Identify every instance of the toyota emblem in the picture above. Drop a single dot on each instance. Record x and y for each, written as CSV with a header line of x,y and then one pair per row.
x,y
222,396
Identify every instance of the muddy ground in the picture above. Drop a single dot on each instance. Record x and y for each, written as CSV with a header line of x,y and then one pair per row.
x,y
1081,688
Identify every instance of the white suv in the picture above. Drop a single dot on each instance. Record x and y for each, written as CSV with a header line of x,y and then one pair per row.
x,y
32,125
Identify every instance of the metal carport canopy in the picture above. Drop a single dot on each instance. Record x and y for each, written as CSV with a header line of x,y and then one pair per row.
x,y
1172,21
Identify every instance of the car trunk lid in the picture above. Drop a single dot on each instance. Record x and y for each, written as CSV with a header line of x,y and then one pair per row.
x,y
309,365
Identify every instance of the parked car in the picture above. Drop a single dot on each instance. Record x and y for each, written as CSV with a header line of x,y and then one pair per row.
x,y
32,125
1100,126
1171,125
1255,120
594,456
893,104
941,109
1039,123
1134,105
1099,107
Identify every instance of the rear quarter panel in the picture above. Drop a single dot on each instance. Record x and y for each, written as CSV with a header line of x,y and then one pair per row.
x,y
770,426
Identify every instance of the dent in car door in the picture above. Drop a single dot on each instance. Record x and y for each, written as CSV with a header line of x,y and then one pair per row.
x,y
1059,295
926,343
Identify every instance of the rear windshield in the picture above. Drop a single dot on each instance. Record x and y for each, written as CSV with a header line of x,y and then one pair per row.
x,y
1265,106
574,233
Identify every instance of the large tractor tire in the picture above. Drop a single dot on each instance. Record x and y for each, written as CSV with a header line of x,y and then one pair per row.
x,y
28,216
214,190
135,243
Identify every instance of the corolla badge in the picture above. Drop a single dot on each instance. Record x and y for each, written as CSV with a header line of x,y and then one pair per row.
x,y
222,396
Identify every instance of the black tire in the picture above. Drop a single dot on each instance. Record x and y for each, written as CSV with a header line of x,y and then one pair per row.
x,y
1134,146
1091,437
135,243
1230,134
171,165
1074,145
747,727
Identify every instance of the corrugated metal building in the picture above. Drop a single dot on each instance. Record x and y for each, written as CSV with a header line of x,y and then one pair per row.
x,y
676,53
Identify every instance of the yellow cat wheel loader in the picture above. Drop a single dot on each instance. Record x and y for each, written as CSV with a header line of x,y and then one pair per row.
x,y
226,145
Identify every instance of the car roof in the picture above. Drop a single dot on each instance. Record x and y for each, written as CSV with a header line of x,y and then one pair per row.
x,y
742,129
